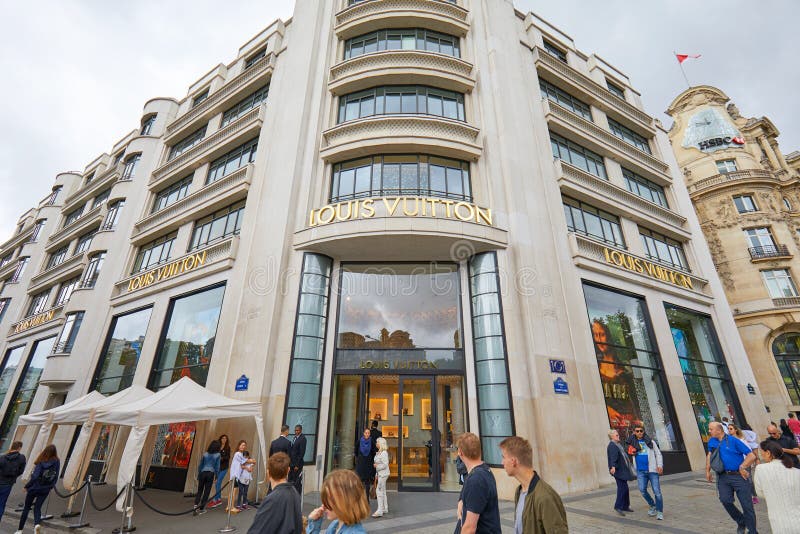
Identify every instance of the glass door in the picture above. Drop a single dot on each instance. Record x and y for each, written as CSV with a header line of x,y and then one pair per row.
x,y
419,442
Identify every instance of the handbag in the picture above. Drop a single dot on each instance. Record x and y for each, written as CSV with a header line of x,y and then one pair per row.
x,y
373,489
715,461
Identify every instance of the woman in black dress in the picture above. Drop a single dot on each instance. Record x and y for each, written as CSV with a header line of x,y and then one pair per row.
x,y
364,460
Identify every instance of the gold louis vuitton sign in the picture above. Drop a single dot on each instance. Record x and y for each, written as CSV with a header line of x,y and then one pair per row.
x,y
36,320
177,267
648,268
400,206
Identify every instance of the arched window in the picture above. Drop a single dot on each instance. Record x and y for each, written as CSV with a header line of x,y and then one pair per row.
x,y
786,349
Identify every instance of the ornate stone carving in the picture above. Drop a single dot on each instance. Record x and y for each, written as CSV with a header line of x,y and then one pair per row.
x,y
733,111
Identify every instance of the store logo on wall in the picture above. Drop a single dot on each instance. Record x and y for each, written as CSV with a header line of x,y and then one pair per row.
x,y
708,130
170,270
400,206
648,268
36,320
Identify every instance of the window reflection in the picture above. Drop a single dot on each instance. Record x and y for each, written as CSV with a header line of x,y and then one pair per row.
x,y
118,364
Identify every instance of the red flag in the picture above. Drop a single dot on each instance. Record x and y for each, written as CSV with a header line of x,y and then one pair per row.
x,y
684,57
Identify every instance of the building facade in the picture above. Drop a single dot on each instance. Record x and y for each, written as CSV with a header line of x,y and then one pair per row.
x,y
438,215
747,197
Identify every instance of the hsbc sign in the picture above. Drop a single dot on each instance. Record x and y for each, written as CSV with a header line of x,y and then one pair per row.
x,y
720,142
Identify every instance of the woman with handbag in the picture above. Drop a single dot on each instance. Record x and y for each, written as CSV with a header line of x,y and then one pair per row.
x,y
620,469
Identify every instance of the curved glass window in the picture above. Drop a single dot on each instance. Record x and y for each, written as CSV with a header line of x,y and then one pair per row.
x,y
398,100
786,349
415,175
402,39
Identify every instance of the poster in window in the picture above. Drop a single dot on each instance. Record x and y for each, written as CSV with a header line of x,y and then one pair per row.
x,y
378,409
174,445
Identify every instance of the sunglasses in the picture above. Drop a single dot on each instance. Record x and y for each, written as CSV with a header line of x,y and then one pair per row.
x,y
638,431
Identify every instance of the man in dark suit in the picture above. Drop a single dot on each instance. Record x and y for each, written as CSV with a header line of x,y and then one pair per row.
x,y
296,456
282,443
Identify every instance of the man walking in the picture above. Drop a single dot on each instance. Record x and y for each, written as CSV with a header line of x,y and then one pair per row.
x,y
280,512
296,455
787,443
12,464
539,509
649,467
736,458
478,510
282,443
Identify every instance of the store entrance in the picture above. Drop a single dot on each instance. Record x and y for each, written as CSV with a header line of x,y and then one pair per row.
x,y
419,415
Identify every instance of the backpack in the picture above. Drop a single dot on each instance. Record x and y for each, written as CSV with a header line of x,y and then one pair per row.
x,y
48,476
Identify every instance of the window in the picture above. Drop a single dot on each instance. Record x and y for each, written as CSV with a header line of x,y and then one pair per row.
x,y
629,136
402,39
564,99
10,365
252,60
57,257
121,352
744,203
53,195
233,160
779,283
73,216
760,238
171,194
199,98
130,166
644,188
4,304
36,229
5,260
38,303
187,142
630,366
786,349
186,350
65,290
117,158
93,270
22,263
615,89
787,204
251,101
66,340
576,155
726,165
26,388
89,178
704,369
84,242
217,226
101,197
589,221
662,249
154,253
147,124
395,100
112,217
555,51
415,175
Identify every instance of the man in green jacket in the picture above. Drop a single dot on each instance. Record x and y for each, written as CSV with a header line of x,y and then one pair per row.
x,y
539,509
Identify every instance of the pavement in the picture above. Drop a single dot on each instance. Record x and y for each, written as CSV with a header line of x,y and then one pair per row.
x,y
690,506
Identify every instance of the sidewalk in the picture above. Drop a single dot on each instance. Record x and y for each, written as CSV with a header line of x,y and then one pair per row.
x,y
691,506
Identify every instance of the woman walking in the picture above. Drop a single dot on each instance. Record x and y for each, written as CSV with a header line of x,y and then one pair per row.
x,y
778,483
364,467
620,469
207,471
382,474
343,502
43,479
224,463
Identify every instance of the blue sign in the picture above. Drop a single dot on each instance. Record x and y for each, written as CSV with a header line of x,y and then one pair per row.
x,y
558,366
242,382
560,386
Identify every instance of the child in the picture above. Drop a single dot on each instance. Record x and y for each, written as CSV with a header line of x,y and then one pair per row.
x,y
243,481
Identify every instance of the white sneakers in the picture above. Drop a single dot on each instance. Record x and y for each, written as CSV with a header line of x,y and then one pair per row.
x,y
36,529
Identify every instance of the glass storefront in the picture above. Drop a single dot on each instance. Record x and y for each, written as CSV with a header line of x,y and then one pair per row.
x,y
704,368
786,349
121,355
630,366
10,364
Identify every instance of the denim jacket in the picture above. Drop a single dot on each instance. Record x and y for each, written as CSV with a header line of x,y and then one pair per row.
x,y
209,462
314,527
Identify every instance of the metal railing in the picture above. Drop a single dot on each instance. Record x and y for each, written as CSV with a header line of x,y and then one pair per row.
x,y
768,251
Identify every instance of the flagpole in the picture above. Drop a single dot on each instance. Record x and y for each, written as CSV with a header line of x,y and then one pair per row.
x,y
680,64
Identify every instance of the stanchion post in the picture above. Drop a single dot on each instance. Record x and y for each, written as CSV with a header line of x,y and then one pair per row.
x,y
228,527
80,523
127,506
302,492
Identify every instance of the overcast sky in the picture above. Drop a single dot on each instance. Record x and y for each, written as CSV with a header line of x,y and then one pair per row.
x,y
77,73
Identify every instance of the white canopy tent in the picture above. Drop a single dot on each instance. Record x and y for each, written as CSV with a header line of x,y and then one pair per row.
x,y
48,421
183,401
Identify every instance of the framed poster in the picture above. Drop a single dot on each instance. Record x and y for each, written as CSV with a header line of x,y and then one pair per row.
x,y
408,404
378,409
425,406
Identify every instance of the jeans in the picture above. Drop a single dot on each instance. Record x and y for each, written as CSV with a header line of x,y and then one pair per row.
x,y
623,501
727,484
222,473
380,492
5,491
204,482
241,497
37,500
643,478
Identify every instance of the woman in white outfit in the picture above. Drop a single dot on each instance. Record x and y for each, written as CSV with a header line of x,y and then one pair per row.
x,y
778,483
382,474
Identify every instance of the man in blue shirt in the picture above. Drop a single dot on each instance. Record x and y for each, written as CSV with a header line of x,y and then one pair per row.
x,y
736,458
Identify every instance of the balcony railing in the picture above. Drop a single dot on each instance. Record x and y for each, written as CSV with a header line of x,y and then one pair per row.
x,y
769,251
786,301
748,175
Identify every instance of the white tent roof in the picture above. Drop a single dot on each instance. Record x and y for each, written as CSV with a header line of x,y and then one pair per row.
x,y
126,396
185,400
40,418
